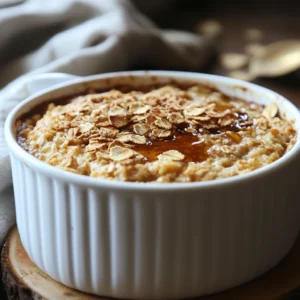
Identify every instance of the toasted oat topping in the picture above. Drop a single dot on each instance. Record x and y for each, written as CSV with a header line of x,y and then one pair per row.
x,y
171,155
165,135
271,110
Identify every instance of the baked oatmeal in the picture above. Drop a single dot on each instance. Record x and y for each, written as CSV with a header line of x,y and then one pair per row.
x,y
165,134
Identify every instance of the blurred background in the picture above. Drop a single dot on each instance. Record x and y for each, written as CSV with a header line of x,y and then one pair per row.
x,y
242,29
268,21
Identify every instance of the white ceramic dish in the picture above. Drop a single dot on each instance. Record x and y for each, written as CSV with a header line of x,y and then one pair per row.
x,y
135,240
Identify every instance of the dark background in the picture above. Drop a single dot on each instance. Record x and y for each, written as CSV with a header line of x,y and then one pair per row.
x,y
277,19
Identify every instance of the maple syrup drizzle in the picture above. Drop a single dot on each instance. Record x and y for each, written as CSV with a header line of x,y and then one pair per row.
x,y
191,146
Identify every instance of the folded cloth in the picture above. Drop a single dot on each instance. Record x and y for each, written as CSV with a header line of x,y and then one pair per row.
x,y
81,37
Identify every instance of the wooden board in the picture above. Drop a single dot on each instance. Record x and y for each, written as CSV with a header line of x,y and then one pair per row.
x,y
23,280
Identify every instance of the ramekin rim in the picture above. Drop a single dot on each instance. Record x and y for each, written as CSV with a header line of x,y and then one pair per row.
x,y
61,174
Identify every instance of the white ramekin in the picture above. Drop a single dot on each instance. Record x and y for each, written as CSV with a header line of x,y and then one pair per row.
x,y
137,240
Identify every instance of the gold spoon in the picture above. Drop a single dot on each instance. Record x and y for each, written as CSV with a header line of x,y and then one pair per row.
x,y
276,59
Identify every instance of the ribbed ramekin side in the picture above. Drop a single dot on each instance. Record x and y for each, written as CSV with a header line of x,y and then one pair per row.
x,y
100,247
25,198
166,246
18,190
153,245
62,225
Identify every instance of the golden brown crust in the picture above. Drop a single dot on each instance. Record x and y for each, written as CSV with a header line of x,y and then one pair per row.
x,y
165,135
